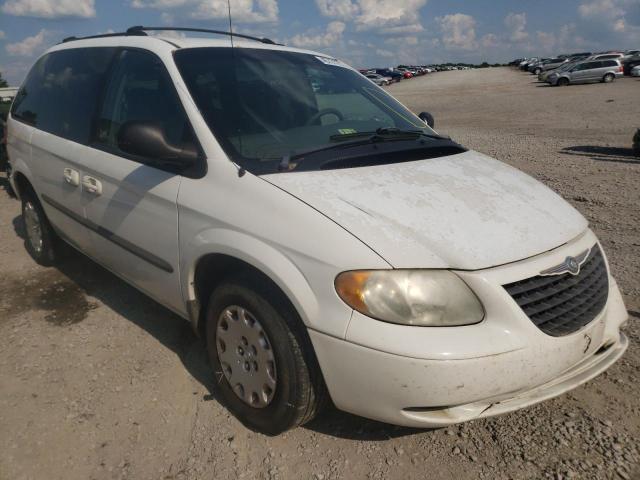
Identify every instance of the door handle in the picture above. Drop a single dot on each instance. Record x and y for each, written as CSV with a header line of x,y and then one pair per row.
x,y
71,176
92,185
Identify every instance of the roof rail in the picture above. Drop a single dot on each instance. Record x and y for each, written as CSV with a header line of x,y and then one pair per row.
x,y
104,35
140,30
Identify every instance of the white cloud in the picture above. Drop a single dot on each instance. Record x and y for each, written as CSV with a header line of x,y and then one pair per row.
x,y
402,41
601,8
343,9
386,14
547,41
332,35
516,23
26,47
243,11
402,29
385,53
158,3
611,15
388,17
50,8
489,40
619,25
458,31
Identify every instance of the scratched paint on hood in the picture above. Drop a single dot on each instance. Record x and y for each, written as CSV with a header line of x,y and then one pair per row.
x,y
465,211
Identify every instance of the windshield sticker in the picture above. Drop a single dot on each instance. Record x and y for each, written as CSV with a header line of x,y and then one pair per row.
x,y
332,61
347,131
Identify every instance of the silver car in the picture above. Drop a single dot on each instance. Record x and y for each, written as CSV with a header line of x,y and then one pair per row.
x,y
588,71
378,79
550,64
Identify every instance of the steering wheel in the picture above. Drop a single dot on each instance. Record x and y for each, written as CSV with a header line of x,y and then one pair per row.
x,y
322,113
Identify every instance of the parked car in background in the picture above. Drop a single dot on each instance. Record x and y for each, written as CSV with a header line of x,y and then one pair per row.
x,y
588,71
579,55
378,79
405,72
629,62
606,56
394,75
532,66
549,64
543,76
635,71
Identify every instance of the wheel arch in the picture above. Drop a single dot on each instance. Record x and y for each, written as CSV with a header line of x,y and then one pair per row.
x,y
21,183
236,253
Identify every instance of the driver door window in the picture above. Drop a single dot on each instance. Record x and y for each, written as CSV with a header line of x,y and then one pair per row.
x,y
140,90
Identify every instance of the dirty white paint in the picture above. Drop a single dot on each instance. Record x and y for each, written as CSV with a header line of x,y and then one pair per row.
x,y
465,211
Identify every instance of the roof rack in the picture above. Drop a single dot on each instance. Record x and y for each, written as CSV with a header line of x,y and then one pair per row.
x,y
139,30
103,35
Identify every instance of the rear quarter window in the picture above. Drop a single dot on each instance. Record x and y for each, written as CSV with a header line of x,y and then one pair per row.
x,y
61,92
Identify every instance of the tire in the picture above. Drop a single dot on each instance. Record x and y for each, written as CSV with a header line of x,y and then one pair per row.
x,y
608,78
537,71
265,334
40,240
563,82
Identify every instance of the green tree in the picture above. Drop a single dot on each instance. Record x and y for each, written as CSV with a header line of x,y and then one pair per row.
x,y
3,82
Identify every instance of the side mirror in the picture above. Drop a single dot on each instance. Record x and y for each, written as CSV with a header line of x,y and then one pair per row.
x,y
148,140
427,118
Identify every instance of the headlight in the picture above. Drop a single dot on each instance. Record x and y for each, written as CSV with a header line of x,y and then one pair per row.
x,y
410,297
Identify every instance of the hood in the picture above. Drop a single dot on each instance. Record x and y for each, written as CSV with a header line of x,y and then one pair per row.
x,y
465,211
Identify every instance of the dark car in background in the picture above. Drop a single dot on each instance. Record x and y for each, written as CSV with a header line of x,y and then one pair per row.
x,y
394,75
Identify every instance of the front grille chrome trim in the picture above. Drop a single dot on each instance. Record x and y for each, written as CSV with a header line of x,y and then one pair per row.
x,y
562,303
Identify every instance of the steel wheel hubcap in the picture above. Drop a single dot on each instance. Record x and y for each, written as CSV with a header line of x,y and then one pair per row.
x,y
33,227
246,356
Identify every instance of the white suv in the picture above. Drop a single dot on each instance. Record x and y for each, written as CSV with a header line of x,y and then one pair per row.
x,y
322,238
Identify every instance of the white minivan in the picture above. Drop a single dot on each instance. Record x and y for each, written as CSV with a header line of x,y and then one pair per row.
x,y
323,240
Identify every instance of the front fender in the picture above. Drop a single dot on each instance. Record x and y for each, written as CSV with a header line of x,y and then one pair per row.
x,y
278,265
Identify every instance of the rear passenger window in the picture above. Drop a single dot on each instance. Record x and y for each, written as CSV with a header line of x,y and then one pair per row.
x,y
60,94
140,90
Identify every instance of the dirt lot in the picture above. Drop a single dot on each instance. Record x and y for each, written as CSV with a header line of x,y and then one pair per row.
x,y
97,381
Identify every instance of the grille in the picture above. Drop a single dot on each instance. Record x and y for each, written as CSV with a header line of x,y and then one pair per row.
x,y
562,304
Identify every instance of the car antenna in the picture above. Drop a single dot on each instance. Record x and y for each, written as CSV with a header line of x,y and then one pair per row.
x,y
230,24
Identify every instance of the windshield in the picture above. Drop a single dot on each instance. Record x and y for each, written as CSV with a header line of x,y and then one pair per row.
x,y
265,104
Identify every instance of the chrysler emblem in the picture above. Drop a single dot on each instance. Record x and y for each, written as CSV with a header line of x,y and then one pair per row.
x,y
570,265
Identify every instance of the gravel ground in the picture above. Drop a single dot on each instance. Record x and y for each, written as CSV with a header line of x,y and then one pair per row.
x,y
97,381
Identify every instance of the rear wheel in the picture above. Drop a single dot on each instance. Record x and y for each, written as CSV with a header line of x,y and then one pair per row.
x,y
563,82
608,78
262,358
40,239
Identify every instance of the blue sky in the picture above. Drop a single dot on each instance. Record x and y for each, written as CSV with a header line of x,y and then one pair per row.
x,y
361,32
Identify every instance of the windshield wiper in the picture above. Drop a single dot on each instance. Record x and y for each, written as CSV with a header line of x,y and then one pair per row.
x,y
384,133
288,161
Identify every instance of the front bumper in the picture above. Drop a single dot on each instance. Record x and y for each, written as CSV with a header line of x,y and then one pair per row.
x,y
431,377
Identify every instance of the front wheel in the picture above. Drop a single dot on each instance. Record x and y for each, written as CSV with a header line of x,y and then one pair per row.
x,y
563,82
262,358
608,78
40,239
